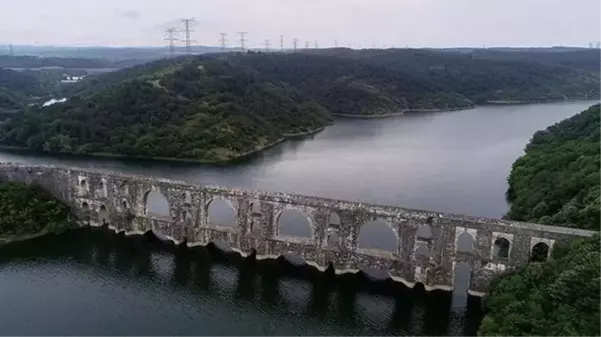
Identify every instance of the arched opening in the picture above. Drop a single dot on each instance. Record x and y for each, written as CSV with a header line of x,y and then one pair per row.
x,y
103,215
334,219
501,248
294,259
187,198
332,237
83,183
255,208
156,204
465,243
462,279
377,235
424,232
294,223
85,206
421,251
124,205
221,214
188,220
540,252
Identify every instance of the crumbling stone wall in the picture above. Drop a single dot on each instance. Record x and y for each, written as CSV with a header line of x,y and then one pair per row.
x,y
120,201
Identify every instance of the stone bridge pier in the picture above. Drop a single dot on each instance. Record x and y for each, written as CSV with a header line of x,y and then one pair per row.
x,y
413,246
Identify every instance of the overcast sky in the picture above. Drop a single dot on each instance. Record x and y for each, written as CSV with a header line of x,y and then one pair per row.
x,y
362,23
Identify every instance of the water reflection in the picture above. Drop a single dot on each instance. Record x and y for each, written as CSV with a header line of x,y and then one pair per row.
x,y
194,291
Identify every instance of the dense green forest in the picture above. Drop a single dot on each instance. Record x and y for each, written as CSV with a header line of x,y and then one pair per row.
x,y
195,108
27,210
557,181
16,88
484,77
555,298
350,87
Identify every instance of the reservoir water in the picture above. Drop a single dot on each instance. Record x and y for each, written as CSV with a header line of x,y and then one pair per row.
x,y
96,283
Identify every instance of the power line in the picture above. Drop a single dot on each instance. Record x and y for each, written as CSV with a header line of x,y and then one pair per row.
x,y
170,31
295,43
242,39
223,41
187,23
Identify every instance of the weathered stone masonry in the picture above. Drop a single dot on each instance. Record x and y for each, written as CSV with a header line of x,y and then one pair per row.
x,y
119,200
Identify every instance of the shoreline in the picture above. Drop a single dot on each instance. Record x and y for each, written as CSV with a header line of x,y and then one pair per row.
x,y
286,136
18,238
487,104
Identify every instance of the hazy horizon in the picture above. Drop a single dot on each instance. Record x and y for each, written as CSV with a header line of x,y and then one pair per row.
x,y
353,23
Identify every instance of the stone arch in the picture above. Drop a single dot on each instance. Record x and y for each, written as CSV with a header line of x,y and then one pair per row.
x,y
221,213
421,251
424,232
188,219
465,243
156,204
103,215
292,222
187,198
85,206
333,219
377,234
255,208
124,205
540,252
501,248
332,237
83,183
103,189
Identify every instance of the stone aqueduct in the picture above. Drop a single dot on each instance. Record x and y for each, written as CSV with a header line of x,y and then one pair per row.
x,y
428,243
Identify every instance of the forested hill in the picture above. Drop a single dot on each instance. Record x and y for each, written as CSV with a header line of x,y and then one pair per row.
x,y
485,77
16,88
557,181
351,87
193,108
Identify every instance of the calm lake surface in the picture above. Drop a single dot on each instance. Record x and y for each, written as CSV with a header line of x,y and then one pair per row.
x,y
92,282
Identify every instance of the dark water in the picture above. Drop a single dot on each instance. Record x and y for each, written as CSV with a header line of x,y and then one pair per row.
x,y
99,283
93,282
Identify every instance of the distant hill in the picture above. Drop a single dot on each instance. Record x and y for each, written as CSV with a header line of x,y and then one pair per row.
x,y
197,108
486,77
351,87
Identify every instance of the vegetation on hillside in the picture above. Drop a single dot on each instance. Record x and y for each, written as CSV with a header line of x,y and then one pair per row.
x,y
557,181
350,87
488,77
192,108
29,210
555,298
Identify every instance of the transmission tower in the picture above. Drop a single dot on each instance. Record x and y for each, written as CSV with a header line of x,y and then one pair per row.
x,y
307,44
187,23
223,41
267,44
11,51
282,42
242,39
315,44
295,43
171,39
336,43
